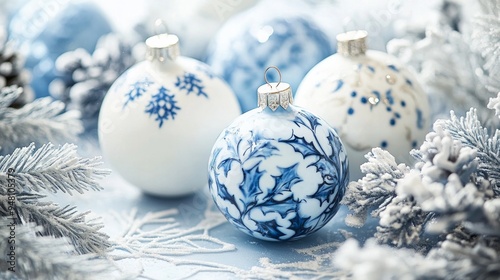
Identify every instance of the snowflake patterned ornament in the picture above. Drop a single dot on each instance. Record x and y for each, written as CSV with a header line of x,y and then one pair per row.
x,y
160,118
369,98
278,172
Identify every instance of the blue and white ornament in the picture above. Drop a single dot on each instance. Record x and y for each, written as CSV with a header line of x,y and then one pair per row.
x,y
267,34
43,30
278,172
369,98
159,119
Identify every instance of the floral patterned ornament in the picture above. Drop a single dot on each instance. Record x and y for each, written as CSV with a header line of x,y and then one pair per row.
x,y
269,33
278,175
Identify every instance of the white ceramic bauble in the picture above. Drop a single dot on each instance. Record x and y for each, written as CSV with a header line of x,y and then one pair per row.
x,y
370,98
160,118
278,172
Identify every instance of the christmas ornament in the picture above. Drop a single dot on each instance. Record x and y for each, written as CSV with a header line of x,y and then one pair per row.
x,y
369,98
43,30
278,172
267,34
159,119
186,17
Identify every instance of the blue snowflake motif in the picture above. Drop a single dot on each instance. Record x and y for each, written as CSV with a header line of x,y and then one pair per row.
x,y
190,83
162,105
137,89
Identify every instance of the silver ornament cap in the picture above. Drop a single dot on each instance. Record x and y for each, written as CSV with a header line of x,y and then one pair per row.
x,y
352,43
162,47
274,95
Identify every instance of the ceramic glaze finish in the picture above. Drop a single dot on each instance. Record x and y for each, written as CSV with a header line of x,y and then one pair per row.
x,y
158,122
250,41
278,175
44,30
371,100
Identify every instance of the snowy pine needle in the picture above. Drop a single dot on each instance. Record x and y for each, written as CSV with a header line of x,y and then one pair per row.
x,y
449,261
494,104
40,121
401,223
469,131
65,222
375,261
486,40
376,189
48,256
53,169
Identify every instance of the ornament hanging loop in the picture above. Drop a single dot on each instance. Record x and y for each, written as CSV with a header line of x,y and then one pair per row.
x,y
274,95
162,47
160,23
265,75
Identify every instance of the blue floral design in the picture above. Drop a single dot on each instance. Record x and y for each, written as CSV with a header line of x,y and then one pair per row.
x,y
295,46
137,89
279,211
162,105
190,83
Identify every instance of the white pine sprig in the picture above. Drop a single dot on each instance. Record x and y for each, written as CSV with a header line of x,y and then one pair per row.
x,y
40,121
376,189
486,41
66,222
402,223
8,95
469,131
53,169
494,104
451,260
44,256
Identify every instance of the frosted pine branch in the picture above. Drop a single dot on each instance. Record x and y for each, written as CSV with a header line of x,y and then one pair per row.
x,y
440,156
486,41
44,256
401,223
456,205
471,133
494,104
447,68
450,261
58,221
7,96
40,121
481,261
379,262
376,189
52,169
